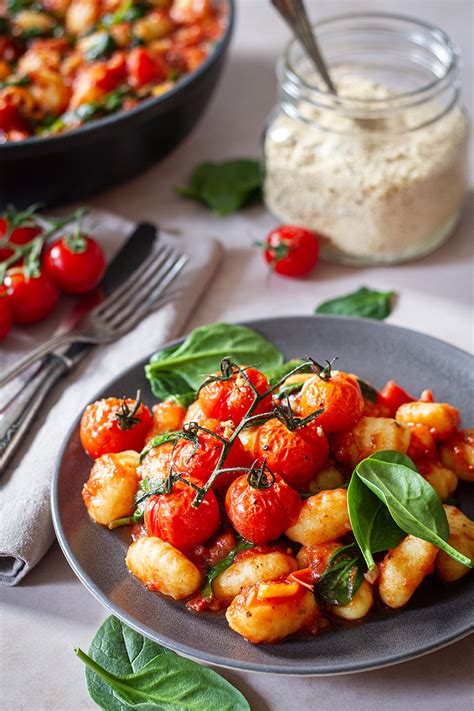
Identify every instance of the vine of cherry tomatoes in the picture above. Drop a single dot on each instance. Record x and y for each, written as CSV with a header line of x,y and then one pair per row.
x,y
36,265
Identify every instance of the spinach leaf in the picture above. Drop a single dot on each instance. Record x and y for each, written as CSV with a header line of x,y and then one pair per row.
x,y
101,47
363,303
411,501
181,369
342,577
219,568
225,187
368,391
126,671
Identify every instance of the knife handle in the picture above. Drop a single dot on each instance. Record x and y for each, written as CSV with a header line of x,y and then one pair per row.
x,y
22,412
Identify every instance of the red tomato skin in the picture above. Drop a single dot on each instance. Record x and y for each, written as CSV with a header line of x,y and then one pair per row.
x,y
172,518
392,396
6,318
31,299
231,399
203,461
74,272
144,68
261,515
295,455
20,235
302,246
340,396
100,433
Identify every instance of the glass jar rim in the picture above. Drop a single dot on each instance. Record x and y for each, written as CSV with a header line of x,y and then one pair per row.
x,y
415,95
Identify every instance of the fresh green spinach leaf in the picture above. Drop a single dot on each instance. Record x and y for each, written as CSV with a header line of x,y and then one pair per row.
x,y
225,187
368,391
363,303
411,501
219,568
126,671
342,578
181,369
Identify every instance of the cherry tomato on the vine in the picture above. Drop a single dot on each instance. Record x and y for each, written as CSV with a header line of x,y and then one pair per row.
x,y
172,517
291,251
231,399
114,425
261,514
75,264
340,396
31,298
19,235
6,316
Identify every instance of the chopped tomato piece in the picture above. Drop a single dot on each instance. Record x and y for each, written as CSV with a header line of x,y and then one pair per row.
x,y
392,396
144,67
302,577
266,590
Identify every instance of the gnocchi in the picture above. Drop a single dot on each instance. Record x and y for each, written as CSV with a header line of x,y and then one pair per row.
x,y
109,492
457,453
462,538
404,568
370,435
359,606
323,518
441,418
250,570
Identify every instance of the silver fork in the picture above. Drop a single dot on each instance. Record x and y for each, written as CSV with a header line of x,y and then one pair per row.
x,y
118,314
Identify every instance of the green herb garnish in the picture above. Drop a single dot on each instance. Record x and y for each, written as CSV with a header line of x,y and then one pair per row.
x,y
342,578
363,303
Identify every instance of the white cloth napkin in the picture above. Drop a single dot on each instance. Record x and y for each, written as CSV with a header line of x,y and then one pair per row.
x,y
26,530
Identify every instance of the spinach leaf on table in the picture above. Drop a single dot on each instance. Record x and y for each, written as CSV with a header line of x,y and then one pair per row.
x,y
127,671
342,578
225,187
181,369
363,303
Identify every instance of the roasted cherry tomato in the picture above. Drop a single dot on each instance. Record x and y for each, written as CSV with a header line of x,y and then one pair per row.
x,y
168,416
231,399
291,251
392,396
143,67
19,235
199,462
261,514
340,396
114,425
6,316
295,455
75,264
31,298
172,517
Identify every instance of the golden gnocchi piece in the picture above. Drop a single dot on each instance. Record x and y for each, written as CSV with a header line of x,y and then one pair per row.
x,y
323,518
370,435
404,568
81,16
194,413
110,490
462,538
443,480
328,478
359,606
163,568
250,570
442,419
272,619
457,453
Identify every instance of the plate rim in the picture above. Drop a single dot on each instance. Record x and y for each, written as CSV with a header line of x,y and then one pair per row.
x,y
209,658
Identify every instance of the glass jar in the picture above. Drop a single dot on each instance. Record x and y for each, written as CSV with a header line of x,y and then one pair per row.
x,y
380,170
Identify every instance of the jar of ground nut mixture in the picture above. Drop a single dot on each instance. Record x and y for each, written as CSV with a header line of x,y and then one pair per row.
x,y
380,170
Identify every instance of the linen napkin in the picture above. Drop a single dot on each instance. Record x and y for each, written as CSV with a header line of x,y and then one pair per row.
x,y
26,530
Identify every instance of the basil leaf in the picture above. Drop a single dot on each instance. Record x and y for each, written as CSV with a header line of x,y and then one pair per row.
x,y
177,370
219,568
342,578
363,303
159,439
126,671
368,391
411,501
372,525
225,187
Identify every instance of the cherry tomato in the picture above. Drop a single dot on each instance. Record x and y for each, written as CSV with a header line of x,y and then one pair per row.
x,y
291,251
6,316
172,517
295,455
19,235
144,67
261,515
392,396
201,461
31,298
231,399
168,416
76,265
114,425
11,118
340,396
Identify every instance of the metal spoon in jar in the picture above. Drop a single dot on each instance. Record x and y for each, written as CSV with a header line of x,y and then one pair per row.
x,y
294,13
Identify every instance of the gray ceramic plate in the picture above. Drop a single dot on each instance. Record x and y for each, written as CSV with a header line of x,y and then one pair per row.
x,y
434,618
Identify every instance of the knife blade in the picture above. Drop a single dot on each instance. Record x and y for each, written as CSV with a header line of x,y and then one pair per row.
x,y
22,411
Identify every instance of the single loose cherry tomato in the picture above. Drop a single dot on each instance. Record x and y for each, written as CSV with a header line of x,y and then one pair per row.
x,y
291,251
296,455
392,396
199,462
261,514
173,518
6,316
231,399
19,235
340,396
31,298
114,425
75,264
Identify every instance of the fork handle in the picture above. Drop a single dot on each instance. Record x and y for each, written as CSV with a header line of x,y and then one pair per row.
x,y
36,353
